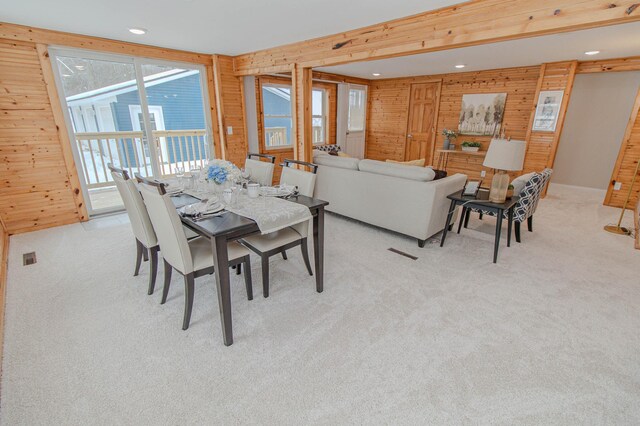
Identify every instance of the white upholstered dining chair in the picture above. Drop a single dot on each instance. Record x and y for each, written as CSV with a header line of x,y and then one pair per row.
x,y
192,258
146,239
261,171
280,241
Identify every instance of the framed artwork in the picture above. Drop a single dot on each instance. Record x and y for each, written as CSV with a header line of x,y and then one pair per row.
x,y
547,111
481,114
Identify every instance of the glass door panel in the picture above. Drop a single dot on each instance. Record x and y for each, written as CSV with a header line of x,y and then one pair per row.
x,y
176,114
98,95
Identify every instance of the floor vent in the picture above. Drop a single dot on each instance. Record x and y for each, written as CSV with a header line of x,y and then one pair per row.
x,y
401,253
29,258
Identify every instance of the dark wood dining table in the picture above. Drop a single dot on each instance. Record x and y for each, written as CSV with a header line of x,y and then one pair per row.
x,y
220,230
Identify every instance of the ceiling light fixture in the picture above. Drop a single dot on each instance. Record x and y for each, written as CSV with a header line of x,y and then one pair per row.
x,y
137,31
376,74
79,67
592,52
460,66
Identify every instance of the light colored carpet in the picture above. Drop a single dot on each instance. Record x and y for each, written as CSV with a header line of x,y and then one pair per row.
x,y
549,335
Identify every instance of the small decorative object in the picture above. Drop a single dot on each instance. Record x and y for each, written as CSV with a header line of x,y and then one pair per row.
x,y
253,190
448,135
471,146
503,155
547,111
617,229
481,114
510,191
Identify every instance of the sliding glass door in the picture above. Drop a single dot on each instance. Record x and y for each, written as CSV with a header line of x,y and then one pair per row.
x,y
141,115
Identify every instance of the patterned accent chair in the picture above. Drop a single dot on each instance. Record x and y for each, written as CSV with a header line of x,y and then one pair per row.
x,y
527,204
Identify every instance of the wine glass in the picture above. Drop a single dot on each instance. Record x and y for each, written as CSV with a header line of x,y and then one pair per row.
x,y
246,174
179,171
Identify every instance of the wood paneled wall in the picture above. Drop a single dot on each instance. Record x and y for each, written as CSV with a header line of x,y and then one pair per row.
x,y
626,164
287,153
542,146
39,187
35,191
230,104
388,108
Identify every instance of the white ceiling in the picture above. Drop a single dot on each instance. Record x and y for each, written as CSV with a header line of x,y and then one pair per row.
x,y
613,42
211,26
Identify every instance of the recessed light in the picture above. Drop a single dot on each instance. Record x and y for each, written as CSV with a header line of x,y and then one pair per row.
x,y
137,31
460,66
79,67
592,52
376,74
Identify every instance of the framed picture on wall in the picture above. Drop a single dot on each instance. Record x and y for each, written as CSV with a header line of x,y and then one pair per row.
x,y
547,111
481,114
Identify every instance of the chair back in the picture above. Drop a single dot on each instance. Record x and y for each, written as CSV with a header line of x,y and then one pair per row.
x,y
530,195
168,226
261,171
135,207
305,181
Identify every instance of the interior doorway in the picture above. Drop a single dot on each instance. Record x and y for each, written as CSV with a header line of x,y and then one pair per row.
x,y
424,99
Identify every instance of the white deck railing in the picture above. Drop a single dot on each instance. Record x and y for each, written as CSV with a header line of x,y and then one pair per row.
x,y
129,151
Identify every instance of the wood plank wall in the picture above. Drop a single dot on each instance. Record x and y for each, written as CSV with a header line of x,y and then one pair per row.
x,y
35,192
388,111
230,90
38,178
287,153
626,164
542,146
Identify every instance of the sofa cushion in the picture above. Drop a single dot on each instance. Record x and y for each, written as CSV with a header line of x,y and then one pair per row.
x,y
422,174
335,161
419,163
519,182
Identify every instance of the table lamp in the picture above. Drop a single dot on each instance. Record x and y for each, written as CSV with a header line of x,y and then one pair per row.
x,y
503,155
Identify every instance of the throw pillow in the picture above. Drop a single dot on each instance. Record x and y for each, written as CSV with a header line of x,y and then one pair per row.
x,y
343,154
519,182
419,163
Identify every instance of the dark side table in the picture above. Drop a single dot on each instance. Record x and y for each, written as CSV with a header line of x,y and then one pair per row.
x,y
481,202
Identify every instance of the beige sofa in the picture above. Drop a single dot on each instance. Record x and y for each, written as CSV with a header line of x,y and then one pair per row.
x,y
397,197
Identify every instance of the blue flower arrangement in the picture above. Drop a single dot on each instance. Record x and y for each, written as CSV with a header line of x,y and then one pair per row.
x,y
220,171
217,174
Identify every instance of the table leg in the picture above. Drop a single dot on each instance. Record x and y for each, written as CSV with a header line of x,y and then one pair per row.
x,y
498,231
510,226
462,218
221,265
318,248
452,208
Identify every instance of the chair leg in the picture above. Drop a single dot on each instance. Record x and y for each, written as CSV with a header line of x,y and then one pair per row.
x,y
305,255
480,216
466,219
153,268
188,299
247,277
284,254
167,281
265,276
145,253
139,249
530,223
238,268
517,227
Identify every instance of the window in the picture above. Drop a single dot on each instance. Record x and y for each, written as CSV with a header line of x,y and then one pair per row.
x,y
319,111
357,109
278,122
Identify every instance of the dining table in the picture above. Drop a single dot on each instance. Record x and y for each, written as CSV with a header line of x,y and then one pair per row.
x,y
224,228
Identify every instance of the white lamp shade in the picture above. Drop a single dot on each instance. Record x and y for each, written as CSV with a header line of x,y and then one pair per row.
x,y
505,155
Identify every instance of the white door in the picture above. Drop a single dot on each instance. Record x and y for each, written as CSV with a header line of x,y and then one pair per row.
x,y
356,120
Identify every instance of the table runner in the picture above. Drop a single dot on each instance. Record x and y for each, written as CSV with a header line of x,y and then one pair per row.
x,y
270,213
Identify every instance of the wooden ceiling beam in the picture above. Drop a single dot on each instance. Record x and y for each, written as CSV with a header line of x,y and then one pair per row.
x,y
468,24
